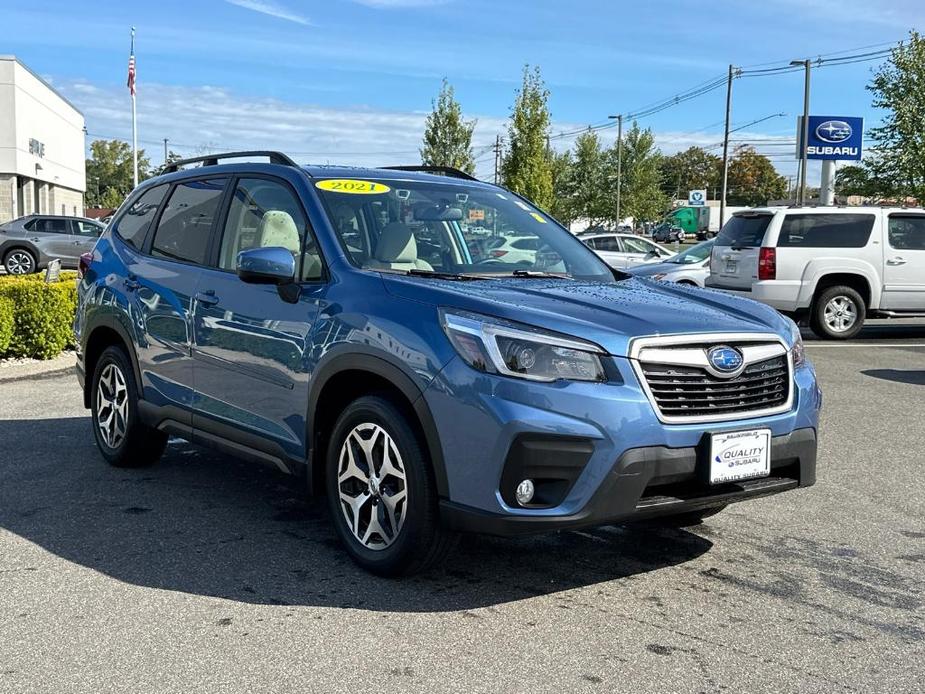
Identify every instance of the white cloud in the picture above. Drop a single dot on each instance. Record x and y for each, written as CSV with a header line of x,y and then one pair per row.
x,y
271,8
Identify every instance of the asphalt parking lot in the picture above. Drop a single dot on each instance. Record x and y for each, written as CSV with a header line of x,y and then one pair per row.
x,y
205,574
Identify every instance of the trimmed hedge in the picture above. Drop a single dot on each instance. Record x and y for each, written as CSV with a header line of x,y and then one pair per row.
x,y
42,315
7,311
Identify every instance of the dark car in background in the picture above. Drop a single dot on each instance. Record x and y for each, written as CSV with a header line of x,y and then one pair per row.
x,y
29,243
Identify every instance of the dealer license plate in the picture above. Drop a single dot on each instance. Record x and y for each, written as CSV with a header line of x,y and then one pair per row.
x,y
731,267
740,455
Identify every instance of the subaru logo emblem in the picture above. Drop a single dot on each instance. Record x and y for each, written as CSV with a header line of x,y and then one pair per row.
x,y
833,131
725,359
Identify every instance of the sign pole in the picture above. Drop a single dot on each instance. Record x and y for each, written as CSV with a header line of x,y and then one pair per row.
x,y
827,188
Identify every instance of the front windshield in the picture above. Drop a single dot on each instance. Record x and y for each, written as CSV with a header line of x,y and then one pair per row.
x,y
694,254
453,227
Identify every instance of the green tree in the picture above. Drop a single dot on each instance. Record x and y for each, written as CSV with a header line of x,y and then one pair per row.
x,y
753,180
899,87
588,186
692,169
642,197
447,137
526,168
563,207
171,158
854,180
109,172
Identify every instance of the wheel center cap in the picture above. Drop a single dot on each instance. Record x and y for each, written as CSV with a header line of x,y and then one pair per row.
x,y
374,486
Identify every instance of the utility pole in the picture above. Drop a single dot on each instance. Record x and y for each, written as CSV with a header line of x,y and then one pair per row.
x,y
804,129
497,156
722,200
165,150
619,163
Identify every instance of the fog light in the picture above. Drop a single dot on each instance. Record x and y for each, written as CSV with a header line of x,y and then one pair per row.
x,y
524,493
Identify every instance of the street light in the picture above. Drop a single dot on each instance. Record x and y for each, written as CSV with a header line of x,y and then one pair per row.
x,y
804,138
619,120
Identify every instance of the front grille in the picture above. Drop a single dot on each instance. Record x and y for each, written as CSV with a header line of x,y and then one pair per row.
x,y
690,391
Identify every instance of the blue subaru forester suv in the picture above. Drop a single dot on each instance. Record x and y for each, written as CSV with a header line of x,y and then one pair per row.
x,y
432,353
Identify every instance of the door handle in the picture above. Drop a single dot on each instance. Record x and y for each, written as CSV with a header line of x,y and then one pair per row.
x,y
895,261
207,298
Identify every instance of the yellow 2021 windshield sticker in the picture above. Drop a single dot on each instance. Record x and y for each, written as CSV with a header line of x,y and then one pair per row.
x,y
352,186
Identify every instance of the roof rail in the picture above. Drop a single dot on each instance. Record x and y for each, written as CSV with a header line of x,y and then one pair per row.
x,y
212,159
445,170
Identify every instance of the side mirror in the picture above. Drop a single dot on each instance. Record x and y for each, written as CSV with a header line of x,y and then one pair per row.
x,y
269,265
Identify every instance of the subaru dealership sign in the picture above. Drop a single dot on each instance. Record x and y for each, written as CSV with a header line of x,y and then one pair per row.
x,y
832,137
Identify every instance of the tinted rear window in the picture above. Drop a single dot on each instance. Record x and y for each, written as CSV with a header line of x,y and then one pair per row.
x,y
825,230
744,231
133,225
186,224
907,232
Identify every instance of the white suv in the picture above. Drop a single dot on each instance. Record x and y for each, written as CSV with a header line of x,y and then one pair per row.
x,y
835,266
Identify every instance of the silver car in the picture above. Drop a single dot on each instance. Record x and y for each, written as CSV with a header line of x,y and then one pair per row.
x,y
29,243
622,251
687,267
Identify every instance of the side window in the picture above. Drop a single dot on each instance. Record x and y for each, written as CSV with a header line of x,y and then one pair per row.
x,y
266,213
88,228
52,225
907,232
608,243
184,229
825,230
638,246
132,226
30,225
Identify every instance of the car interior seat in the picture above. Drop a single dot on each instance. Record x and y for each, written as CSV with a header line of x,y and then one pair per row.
x,y
397,250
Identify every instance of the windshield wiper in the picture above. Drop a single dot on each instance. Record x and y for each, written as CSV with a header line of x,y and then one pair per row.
x,y
541,274
437,274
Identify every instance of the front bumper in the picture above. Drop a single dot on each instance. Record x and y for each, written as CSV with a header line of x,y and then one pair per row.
x,y
601,447
652,482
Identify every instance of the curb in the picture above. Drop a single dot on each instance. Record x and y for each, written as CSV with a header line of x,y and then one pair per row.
x,y
53,368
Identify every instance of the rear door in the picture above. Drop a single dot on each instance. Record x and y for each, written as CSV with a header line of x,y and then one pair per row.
x,y
162,283
734,260
904,263
609,249
53,238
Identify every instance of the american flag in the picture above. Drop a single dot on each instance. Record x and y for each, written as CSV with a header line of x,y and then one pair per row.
x,y
131,68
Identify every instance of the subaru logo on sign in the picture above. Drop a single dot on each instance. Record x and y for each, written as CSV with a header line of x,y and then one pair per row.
x,y
725,360
833,131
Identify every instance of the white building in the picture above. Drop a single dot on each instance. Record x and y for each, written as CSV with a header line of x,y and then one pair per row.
x,y
42,167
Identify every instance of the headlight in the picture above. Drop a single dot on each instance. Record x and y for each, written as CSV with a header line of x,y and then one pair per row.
x,y
498,346
798,351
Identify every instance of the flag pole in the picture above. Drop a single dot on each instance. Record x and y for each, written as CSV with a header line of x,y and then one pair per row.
x,y
134,123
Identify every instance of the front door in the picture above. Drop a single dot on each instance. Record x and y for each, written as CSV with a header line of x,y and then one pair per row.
x,y
251,346
904,263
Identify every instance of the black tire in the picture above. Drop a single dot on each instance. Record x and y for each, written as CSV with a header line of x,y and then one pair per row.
x,y
420,541
683,520
139,445
20,261
851,299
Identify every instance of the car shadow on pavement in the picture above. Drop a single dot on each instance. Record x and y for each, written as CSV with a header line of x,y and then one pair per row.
x,y
202,523
915,377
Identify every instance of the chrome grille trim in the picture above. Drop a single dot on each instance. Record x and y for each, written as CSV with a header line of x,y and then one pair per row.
x,y
671,367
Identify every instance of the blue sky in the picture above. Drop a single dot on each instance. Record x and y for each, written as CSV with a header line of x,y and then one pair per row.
x,y
351,80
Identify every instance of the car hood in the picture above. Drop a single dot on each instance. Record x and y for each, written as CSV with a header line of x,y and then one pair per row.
x,y
610,315
655,268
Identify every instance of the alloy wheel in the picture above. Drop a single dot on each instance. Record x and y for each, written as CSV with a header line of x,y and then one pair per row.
x,y
841,313
372,486
19,263
112,406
